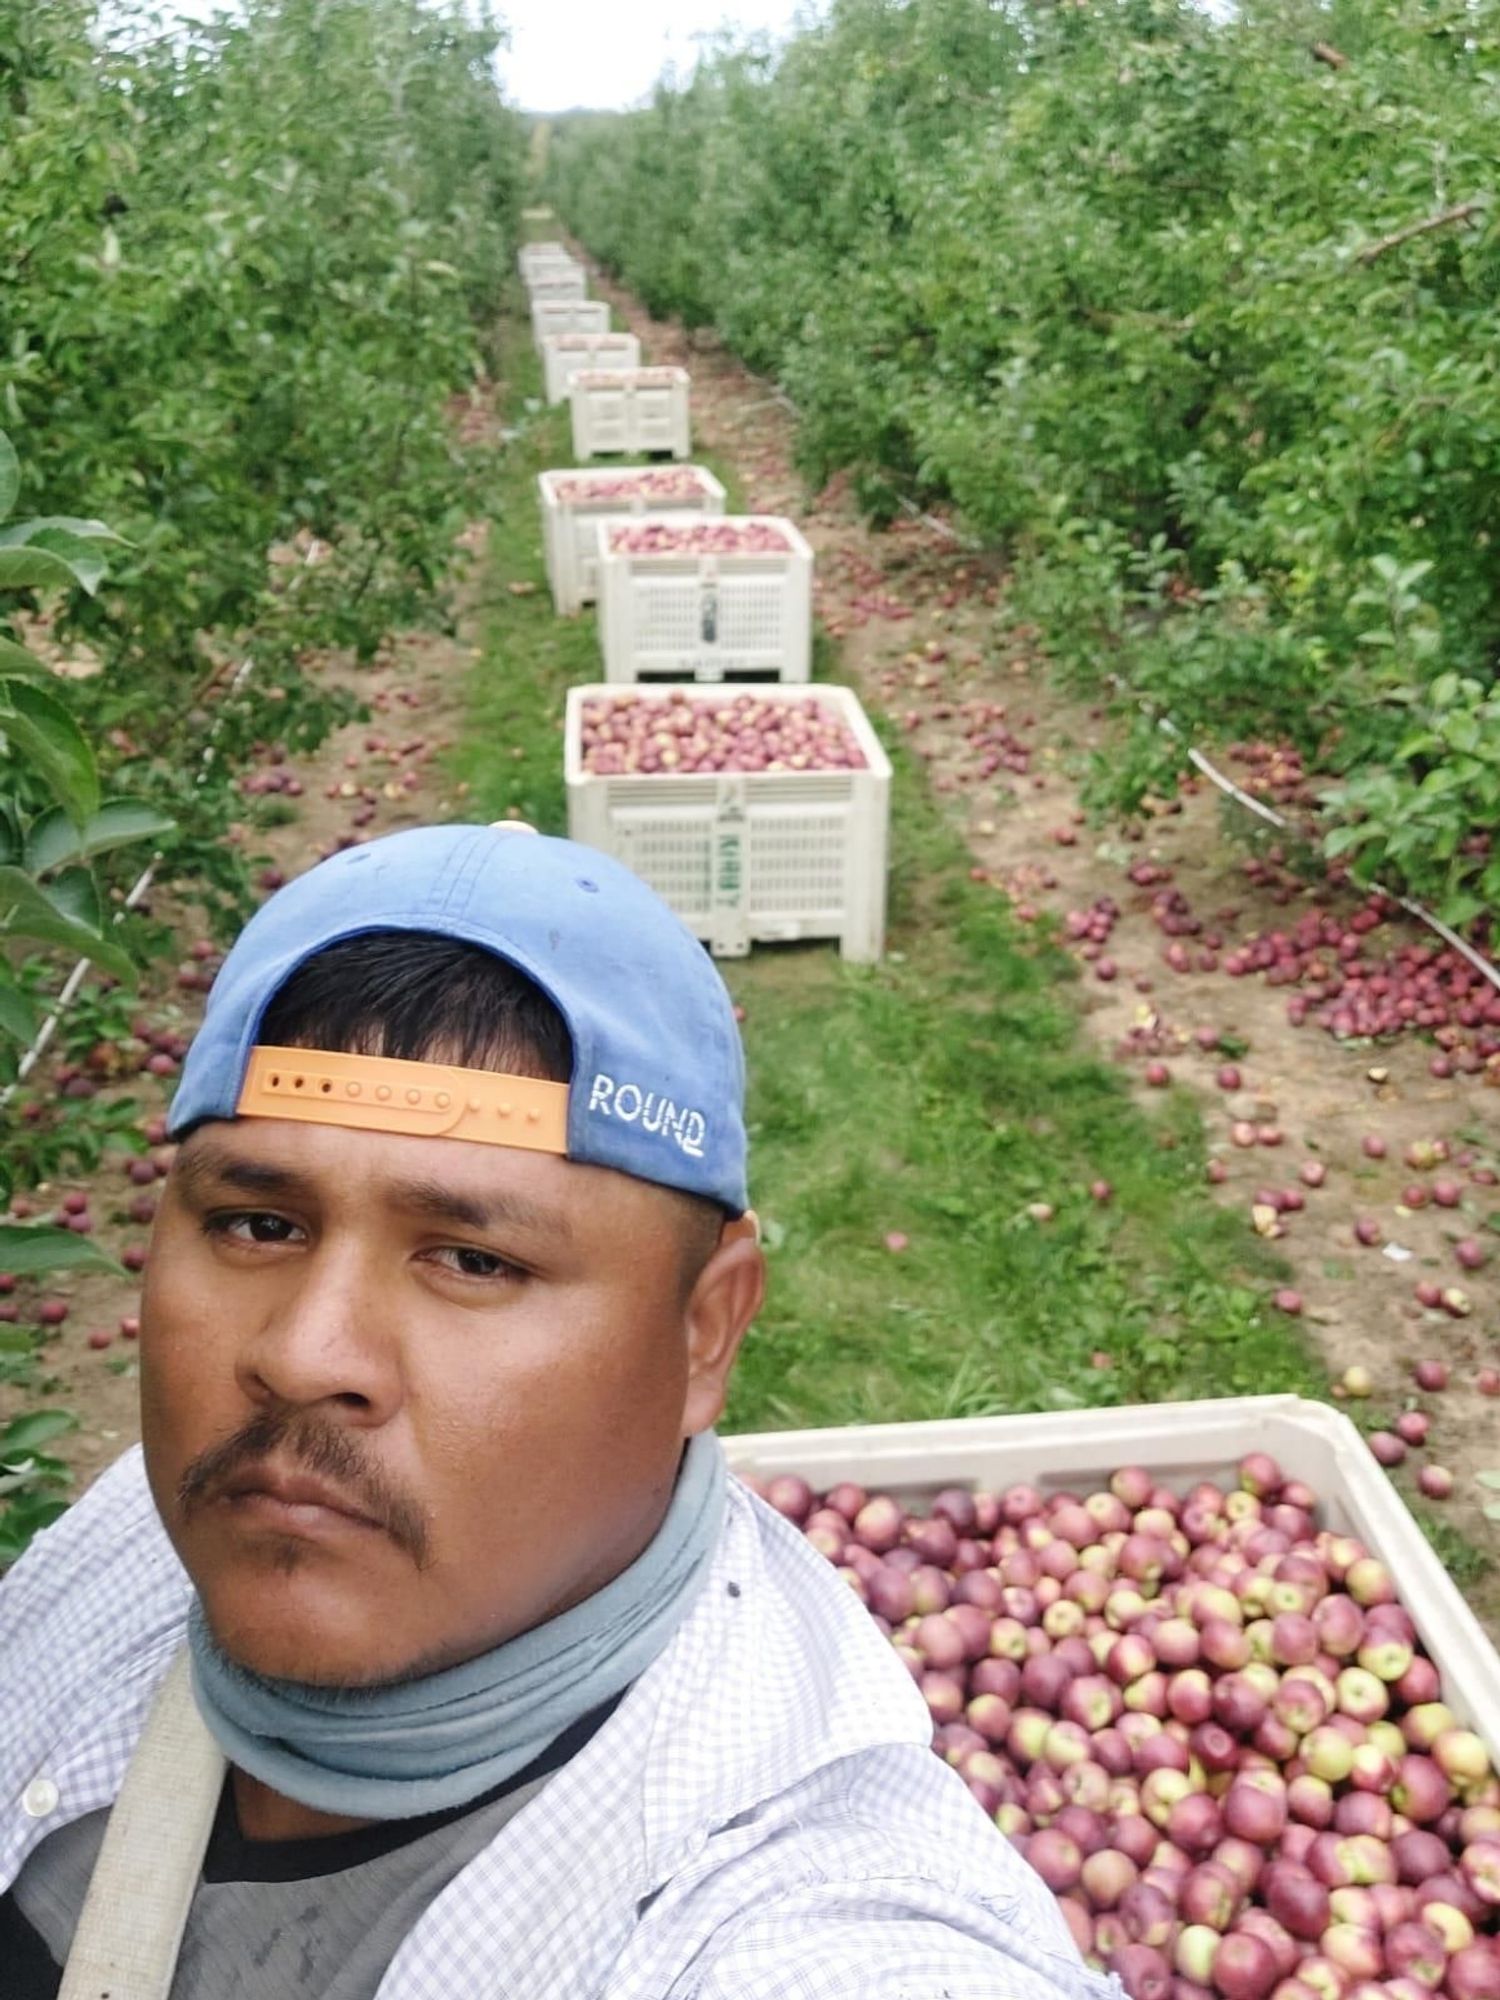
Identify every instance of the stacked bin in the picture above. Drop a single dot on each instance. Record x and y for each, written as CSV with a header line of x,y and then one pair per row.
x,y
532,255
743,857
550,317
579,501
729,599
634,411
557,281
782,849
565,355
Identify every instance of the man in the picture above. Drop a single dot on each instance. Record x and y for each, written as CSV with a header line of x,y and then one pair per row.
x,y
468,1669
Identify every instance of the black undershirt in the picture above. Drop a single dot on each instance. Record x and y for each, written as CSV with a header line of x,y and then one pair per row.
x,y
29,1972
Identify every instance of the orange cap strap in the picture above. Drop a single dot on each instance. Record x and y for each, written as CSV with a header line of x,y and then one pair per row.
x,y
415,1099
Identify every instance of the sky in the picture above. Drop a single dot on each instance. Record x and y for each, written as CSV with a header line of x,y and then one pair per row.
x,y
567,55
604,54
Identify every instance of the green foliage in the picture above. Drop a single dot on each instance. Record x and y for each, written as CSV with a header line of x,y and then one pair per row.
x,y
1197,315
241,269
32,1482
52,819
244,266
30,1248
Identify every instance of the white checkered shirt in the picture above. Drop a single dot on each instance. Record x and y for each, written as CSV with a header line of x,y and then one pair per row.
x,y
760,1819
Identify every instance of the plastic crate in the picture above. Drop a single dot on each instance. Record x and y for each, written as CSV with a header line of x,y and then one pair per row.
x,y
554,316
680,616
630,410
565,354
540,269
747,857
1181,1443
557,281
571,521
530,255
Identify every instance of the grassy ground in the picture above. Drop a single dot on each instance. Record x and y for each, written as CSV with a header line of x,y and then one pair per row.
x,y
938,1094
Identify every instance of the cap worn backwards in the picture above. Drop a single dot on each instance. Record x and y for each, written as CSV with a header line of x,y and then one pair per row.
x,y
657,1089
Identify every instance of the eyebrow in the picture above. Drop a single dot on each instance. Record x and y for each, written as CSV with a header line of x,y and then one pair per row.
x,y
430,1199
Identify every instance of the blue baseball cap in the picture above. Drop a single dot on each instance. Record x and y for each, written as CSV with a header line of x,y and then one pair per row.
x,y
658,1082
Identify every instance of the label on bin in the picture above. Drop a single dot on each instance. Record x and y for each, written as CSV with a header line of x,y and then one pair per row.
x,y
730,918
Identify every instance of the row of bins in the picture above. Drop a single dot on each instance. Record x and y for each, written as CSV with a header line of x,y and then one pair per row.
x,y
755,802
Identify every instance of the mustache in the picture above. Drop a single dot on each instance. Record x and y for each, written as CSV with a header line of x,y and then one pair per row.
x,y
313,1447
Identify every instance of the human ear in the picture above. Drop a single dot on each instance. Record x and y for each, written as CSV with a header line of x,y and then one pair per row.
x,y
719,1311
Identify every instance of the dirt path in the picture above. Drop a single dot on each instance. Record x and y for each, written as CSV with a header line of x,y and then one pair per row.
x,y
915,617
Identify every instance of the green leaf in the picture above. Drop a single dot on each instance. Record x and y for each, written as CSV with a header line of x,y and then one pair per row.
x,y
28,1433
10,475
21,532
17,1015
27,911
81,556
54,841
1444,691
33,569
1461,909
75,895
1462,731
1341,839
1490,1479
27,1248
17,661
1492,1511
42,730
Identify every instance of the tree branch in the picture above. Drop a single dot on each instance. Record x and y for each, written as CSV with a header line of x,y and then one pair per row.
x,y
1464,211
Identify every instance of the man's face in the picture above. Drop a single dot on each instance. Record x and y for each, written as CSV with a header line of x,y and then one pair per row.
x,y
484,1353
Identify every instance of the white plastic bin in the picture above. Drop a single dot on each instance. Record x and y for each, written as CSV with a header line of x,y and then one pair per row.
x,y
577,500
1180,1443
675,613
554,316
565,355
746,857
631,410
557,281
530,255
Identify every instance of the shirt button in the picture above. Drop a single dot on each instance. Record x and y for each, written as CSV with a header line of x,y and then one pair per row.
x,y
39,1798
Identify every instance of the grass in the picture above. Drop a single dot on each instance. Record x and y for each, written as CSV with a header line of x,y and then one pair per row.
x,y
938,1094
1471,1568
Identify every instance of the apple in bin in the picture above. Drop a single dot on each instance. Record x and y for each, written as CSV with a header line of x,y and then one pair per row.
x,y
674,482
1324,1832
631,734
712,537
627,378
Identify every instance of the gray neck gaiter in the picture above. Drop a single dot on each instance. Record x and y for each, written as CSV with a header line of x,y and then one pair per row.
x,y
426,1745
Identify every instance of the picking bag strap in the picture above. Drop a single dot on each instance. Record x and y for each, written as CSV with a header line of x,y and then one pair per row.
x,y
151,1858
